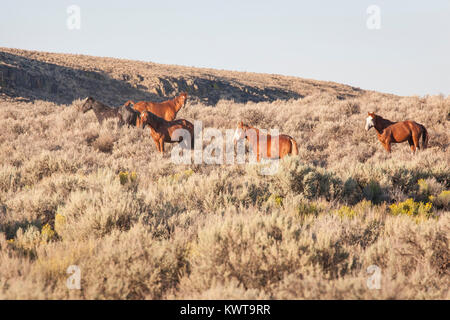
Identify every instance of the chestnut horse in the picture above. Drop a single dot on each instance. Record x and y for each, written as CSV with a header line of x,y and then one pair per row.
x,y
167,110
163,131
286,144
396,132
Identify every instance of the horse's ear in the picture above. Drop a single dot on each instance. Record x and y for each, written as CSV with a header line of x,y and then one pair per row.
x,y
240,124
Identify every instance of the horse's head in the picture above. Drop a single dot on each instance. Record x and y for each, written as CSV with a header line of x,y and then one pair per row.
x,y
128,103
239,133
182,98
87,105
370,120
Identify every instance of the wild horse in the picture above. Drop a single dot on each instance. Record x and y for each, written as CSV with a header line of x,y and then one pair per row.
x,y
166,131
167,110
286,144
397,132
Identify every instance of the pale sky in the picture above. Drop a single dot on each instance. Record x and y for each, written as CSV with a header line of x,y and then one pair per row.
x,y
323,40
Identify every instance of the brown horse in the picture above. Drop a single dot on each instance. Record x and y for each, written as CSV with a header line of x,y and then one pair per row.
x,y
101,110
396,132
167,110
127,115
286,144
164,131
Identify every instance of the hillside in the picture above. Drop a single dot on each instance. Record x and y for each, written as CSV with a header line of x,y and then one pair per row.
x,y
140,226
63,78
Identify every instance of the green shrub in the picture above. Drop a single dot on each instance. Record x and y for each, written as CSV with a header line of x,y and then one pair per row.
x,y
306,209
373,192
352,192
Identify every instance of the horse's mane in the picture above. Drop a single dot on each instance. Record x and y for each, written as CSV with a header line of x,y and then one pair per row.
x,y
384,123
99,104
151,117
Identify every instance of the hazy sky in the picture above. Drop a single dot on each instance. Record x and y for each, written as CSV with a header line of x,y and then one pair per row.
x,y
324,40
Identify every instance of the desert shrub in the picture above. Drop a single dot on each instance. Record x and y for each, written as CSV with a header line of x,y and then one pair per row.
x,y
277,200
247,251
352,192
99,211
417,249
254,193
35,204
346,212
349,108
406,179
306,209
220,291
291,174
45,165
309,181
60,222
9,178
254,117
428,187
27,240
412,208
104,143
125,177
133,266
373,192
47,233
442,200
90,136
316,184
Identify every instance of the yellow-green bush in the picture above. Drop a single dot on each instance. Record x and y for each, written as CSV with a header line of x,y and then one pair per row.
x,y
47,233
306,209
412,208
346,212
442,200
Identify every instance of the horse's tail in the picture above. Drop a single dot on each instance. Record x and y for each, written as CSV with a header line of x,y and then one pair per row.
x,y
294,147
425,137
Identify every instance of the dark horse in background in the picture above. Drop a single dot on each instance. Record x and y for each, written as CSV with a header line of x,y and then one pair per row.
x,y
124,114
396,132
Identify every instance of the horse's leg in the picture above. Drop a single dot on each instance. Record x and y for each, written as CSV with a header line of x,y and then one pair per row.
x,y
411,144
415,138
156,143
161,144
387,146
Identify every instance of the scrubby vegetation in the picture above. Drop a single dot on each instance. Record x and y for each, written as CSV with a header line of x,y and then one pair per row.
x,y
73,192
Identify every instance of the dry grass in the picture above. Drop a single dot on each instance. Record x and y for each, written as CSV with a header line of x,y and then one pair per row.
x,y
73,192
